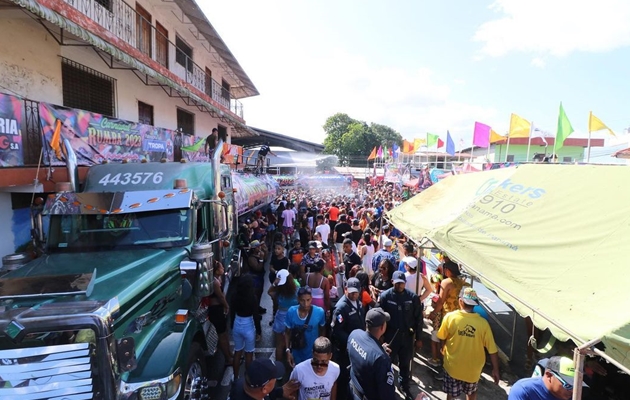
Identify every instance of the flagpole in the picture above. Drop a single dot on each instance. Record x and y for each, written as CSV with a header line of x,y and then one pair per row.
x,y
529,140
507,147
588,144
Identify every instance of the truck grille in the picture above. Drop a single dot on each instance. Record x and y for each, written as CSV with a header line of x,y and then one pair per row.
x,y
61,372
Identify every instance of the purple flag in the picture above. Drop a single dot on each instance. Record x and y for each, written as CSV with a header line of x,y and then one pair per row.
x,y
481,137
379,152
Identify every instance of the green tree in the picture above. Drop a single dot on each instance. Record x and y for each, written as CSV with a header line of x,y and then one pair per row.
x,y
335,127
386,135
352,140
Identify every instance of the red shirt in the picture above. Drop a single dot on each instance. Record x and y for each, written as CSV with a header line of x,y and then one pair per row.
x,y
333,213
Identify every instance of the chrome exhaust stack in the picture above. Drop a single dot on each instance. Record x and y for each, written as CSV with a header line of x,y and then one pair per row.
x,y
71,164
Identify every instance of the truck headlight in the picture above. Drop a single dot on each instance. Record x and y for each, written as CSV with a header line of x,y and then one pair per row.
x,y
172,386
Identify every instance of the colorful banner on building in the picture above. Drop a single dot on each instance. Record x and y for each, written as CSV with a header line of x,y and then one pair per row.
x,y
96,138
11,154
397,173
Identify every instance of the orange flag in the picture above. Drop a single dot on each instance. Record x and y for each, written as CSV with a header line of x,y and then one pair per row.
x,y
55,141
372,154
407,147
495,137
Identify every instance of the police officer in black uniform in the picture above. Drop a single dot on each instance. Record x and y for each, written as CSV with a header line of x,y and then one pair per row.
x,y
347,316
371,371
406,323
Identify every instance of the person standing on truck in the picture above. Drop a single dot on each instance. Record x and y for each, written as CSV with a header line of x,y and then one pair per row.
x,y
262,155
211,142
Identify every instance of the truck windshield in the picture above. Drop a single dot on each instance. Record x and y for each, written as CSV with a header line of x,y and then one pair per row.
x,y
94,232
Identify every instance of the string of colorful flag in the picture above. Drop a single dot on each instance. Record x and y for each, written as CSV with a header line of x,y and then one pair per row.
x,y
484,136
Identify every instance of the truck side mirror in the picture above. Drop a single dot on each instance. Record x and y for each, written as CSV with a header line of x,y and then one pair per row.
x,y
202,254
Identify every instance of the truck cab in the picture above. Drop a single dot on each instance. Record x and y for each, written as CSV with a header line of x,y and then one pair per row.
x,y
113,308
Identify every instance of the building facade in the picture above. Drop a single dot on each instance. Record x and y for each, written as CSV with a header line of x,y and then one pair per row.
x,y
155,64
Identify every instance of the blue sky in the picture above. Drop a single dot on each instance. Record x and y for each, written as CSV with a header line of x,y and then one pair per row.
x,y
430,66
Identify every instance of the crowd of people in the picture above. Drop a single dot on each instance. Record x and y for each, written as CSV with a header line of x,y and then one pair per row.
x,y
350,297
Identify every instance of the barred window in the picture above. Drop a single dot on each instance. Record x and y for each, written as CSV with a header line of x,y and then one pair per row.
x,y
87,89
145,113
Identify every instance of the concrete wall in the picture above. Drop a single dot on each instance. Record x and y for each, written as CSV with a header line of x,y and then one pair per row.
x,y
30,64
32,69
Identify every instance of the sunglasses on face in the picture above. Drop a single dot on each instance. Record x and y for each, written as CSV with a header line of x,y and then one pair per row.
x,y
322,364
566,385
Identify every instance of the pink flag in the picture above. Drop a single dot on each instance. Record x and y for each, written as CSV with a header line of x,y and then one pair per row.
x,y
379,153
481,137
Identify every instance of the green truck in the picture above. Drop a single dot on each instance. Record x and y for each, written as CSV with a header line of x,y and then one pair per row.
x,y
112,308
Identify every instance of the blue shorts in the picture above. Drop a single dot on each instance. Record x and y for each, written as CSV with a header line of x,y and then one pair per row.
x,y
244,334
278,322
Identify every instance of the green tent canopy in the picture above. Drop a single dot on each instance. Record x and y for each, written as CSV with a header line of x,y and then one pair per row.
x,y
551,240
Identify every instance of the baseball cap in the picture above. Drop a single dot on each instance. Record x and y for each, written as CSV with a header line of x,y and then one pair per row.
x,y
469,296
312,245
562,366
254,243
261,371
387,242
376,317
411,262
399,277
354,285
283,274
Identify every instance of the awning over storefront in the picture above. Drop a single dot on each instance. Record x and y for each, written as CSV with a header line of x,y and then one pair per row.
x,y
551,240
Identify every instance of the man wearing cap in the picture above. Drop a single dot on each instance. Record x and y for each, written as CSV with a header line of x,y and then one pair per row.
x,y
383,253
406,323
371,371
260,381
466,334
556,382
347,316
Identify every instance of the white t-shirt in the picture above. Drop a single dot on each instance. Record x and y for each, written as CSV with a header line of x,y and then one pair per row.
x,y
324,230
313,386
411,282
289,218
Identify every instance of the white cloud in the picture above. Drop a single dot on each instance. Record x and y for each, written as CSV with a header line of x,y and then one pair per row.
x,y
538,62
556,27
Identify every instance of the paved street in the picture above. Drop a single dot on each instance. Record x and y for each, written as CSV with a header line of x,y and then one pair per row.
x,y
424,375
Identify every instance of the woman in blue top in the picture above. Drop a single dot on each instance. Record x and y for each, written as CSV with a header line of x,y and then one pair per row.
x,y
284,291
296,318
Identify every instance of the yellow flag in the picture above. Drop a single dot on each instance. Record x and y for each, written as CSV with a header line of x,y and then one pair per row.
x,y
417,143
595,124
495,137
519,127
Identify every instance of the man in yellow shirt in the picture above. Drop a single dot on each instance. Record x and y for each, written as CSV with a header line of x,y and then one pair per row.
x,y
466,334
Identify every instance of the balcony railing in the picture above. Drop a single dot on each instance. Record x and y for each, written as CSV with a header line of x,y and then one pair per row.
x,y
124,22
